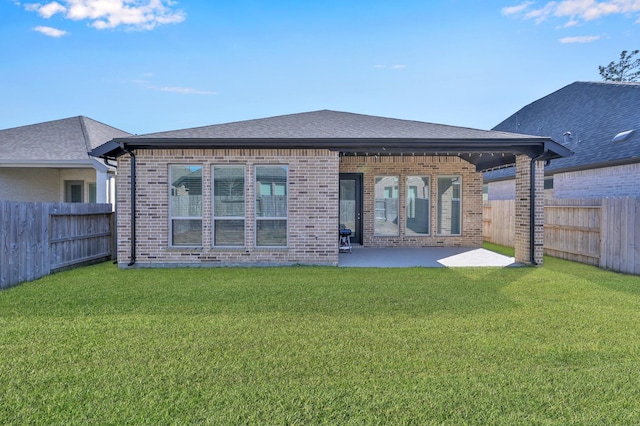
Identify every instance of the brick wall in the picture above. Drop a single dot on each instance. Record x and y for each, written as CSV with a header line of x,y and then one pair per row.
x,y
502,190
404,166
312,205
618,181
522,215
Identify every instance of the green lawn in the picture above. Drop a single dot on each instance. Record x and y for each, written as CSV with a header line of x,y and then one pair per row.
x,y
558,344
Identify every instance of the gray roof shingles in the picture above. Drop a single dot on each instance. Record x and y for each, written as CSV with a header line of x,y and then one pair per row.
x,y
68,139
594,113
331,124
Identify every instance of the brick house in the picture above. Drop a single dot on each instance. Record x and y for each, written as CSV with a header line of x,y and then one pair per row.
x,y
274,191
600,123
49,162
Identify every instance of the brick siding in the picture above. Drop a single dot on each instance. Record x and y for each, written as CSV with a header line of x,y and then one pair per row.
x,y
522,215
618,181
371,166
312,204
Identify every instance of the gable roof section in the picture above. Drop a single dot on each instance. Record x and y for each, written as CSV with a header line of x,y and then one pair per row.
x,y
585,117
347,133
65,141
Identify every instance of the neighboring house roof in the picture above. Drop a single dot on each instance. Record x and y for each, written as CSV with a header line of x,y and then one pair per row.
x,y
585,117
347,133
59,142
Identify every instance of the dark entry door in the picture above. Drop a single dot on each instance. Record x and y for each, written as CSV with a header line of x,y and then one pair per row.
x,y
351,204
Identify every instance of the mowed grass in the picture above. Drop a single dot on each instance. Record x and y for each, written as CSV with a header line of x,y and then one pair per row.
x,y
558,344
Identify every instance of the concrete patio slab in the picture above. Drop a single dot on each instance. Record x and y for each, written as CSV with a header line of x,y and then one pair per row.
x,y
428,257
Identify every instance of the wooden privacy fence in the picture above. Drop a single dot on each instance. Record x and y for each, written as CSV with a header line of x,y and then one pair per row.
x,y
604,232
39,238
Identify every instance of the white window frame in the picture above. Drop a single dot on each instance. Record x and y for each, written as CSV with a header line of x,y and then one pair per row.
x,y
215,218
395,195
257,218
438,210
407,200
172,218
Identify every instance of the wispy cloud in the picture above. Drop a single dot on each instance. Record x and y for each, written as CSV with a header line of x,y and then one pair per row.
x,y
512,10
393,67
183,90
104,14
573,10
50,31
579,39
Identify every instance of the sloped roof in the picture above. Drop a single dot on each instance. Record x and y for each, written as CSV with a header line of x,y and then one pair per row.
x,y
331,124
347,133
68,139
584,117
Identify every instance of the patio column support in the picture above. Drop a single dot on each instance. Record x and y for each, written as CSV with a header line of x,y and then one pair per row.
x,y
529,216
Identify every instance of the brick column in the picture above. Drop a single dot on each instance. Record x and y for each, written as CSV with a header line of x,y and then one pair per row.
x,y
523,211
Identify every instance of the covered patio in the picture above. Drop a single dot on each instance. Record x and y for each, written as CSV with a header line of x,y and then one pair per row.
x,y
426,257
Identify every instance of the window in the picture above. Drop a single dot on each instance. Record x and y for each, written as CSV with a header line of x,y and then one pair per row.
x,y
186,205
386,205
92,192
548,183
417,208
228,205
73,191
449,205
271,206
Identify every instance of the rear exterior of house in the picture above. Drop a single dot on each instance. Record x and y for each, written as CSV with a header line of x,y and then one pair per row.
x,y
272,207
275,191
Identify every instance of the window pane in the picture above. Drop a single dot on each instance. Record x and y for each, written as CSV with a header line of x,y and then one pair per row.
x,y
271,233
186,232
449,205
186,191
386,206
229,232
228,191
417,205
271,191
92,192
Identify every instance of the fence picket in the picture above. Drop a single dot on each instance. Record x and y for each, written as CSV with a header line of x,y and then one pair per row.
x,y
603,232
39,238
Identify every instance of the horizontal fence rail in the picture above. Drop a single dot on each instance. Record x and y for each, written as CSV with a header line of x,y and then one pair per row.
x,y
604,232
39,238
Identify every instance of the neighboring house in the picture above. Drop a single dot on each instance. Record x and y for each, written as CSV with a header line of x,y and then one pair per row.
x,y
49,162
276,190
600,123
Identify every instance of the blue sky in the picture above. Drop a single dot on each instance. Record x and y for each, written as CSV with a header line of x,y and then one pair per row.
x,y
154,65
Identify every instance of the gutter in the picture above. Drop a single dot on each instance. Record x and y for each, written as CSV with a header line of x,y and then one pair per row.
x,y
133,206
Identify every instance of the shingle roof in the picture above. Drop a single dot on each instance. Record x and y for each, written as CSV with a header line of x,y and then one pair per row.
x,y
349,134
68,139
591,114
332,124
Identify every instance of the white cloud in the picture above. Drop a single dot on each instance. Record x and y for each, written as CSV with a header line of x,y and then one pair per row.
x,y
580,39
103,14
574,10
513,10
49,31
393,67
173,89
185,90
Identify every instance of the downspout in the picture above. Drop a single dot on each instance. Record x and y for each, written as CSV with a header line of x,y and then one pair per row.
x,y
532,209
133,206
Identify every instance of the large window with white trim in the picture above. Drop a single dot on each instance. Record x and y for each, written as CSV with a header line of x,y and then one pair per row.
x,y
185,221
386,206
417,205
271,206
228,205
449,205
